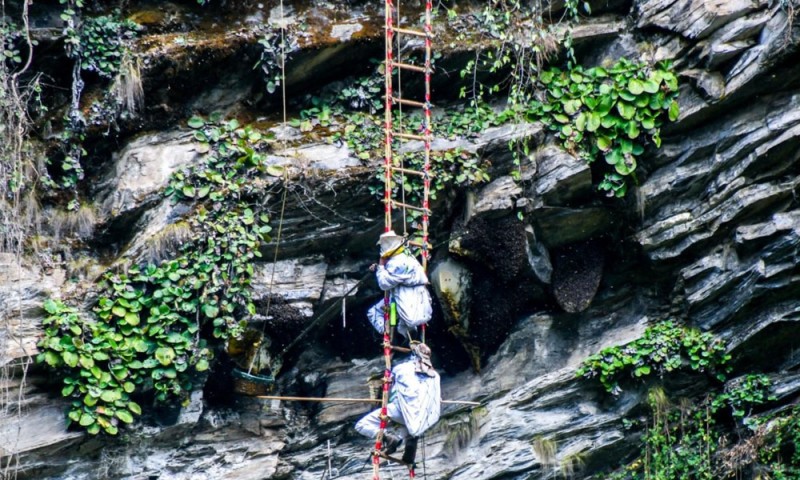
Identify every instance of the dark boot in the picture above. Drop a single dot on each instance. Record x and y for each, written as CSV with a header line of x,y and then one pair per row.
x,y
391,443
410,452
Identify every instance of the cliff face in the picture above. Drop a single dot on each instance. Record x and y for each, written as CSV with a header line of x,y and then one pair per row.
x,y
709,237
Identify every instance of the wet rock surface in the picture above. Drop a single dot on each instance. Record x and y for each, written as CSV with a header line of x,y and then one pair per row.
x,y
544,271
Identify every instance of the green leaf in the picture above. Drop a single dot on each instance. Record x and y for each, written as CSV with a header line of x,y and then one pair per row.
x,y
140,345
67,390
70,358
561,118
86,362
86,420
603,143
165,355
594,122
124,415
110,396
626,110
132,318
196,122
74,415
650,86
202,365
53,359
135,408
633,130
572,106
188,191
210,311
119,311
635,86
614,157
51,307
626,166
580,121
100,356
674,111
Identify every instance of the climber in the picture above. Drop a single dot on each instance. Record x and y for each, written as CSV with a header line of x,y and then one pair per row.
x,y
401,274
415,404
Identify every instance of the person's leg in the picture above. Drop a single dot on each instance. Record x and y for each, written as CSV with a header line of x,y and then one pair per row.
x,y
369,424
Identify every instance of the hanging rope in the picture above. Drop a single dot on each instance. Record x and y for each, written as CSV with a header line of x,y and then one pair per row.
x,y
285,185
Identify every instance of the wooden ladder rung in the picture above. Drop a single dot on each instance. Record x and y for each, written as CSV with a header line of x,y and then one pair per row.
x,y
396,204
408,171
410,103
408,31
419,244
408,66
411,136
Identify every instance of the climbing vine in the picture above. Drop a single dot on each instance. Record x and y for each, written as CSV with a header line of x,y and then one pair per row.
x,y
609,114
691,438
688,439
664,347
99,45
152,324
348,118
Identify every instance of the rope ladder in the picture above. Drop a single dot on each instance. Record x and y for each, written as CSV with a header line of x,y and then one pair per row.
x,y
394,168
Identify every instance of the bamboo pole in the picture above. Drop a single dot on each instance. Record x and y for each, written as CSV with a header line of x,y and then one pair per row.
x,y
351,400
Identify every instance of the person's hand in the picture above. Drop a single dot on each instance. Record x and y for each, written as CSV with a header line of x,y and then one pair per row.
x,y
373,267
382,261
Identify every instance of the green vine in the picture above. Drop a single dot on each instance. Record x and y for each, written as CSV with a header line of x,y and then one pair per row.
x,y
686,440
99,45
152,324
608,113
662,348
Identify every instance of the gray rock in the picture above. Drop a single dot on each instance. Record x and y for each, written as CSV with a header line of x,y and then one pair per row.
x,y
560,177
556,226
497,198
298,281
694,19
141,171
345,31
24,289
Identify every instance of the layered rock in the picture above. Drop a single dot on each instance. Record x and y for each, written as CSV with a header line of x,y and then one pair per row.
x,y
531,276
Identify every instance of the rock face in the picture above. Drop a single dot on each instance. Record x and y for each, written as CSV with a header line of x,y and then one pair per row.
x,y
531,276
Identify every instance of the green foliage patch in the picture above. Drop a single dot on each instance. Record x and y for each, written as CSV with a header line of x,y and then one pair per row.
x,y
153,324
664,347
609,114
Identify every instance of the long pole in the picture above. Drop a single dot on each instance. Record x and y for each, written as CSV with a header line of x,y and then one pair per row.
x,y
352,400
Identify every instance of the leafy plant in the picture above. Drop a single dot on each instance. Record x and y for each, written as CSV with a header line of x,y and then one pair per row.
x,y
101,44
608,113
363,94
275,49
662,348
150,323
686,440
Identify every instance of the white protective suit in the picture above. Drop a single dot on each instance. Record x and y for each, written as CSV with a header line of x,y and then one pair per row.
x,y
405,278
415,402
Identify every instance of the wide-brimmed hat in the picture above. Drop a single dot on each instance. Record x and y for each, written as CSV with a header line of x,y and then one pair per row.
x,y
423,363
389,241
